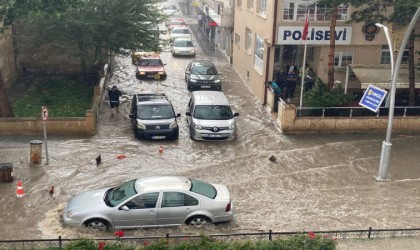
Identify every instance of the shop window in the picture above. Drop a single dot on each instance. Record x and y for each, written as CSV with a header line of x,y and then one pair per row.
x,y
248,41
259,53
262,7
342,59
237,39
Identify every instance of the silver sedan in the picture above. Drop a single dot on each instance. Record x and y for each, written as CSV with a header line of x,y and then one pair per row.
x,y
151,202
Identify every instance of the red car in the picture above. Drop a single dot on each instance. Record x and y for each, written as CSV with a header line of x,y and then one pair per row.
x,y
176,22
150,66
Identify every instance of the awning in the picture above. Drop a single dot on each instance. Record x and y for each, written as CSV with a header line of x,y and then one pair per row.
x,y
380,76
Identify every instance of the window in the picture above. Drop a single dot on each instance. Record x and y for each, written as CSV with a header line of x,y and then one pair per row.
x,y
262,7
177,199
143,201
239,4
248,41
386,56
342,59
237,39
259,53
250,4
296,11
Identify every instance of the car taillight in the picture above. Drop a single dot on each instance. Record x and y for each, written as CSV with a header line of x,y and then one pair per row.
x,y
228,207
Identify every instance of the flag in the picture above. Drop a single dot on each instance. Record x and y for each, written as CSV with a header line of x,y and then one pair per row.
x,y
305,28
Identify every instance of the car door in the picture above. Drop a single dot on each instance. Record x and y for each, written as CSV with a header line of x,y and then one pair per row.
x,y
175,206
140,211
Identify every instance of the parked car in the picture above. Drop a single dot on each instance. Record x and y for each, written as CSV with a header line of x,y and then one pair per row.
x,y
203,75
210,117
150,202
153,117
176,22
180,32
149,65
170,9
183,47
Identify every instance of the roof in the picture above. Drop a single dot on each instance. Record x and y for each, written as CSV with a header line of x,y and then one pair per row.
x,y
202,62
151,98
380,75
209,98
162,182
141,55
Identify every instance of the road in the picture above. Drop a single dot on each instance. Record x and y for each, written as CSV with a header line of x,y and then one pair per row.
x,y
319,182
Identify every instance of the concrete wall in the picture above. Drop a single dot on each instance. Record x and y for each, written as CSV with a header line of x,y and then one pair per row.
x,y
61,125
290,123
7,58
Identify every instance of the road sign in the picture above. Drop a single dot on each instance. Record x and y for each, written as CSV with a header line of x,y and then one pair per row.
x,y
373,98
44,113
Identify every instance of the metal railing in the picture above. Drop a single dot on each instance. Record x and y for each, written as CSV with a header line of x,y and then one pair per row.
x,y
59,242
403,111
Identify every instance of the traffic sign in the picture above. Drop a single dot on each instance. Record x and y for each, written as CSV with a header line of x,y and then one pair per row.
x,y
373,98
44,113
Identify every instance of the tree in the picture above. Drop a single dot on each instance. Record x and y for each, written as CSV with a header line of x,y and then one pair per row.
x,y
83,28
5,108
403,10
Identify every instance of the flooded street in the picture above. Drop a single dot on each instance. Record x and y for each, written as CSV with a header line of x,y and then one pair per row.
x,y
319,182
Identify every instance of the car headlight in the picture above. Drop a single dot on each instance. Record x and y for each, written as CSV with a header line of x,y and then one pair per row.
x,y
232,126
142,73
173,125
197,126
141,126
217,81
161,73
69,214
193,80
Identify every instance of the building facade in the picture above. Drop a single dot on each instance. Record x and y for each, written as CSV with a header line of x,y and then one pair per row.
x,y
268,36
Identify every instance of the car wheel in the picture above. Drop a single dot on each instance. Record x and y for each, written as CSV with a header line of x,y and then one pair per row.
x,y
97,224
198,221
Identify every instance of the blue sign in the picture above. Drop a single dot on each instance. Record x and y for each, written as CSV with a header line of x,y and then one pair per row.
x,y
373,98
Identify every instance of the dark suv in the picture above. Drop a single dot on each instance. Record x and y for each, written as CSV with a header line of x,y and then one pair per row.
x,y
153,117
202,75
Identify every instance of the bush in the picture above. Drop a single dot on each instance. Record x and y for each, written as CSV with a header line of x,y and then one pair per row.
x,y
321,96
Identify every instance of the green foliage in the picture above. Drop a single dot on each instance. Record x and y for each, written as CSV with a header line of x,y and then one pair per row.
x,y
321,96
82,244
63,97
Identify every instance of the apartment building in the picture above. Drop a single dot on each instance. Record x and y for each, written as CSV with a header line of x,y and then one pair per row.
x,y
267,36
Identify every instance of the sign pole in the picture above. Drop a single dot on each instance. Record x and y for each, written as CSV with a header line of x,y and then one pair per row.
x,y
44,119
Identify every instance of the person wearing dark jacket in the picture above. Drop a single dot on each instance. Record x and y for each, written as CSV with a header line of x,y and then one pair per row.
x,y
114,99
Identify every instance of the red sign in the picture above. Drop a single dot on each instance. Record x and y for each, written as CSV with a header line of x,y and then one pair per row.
x,y
213,24
44,113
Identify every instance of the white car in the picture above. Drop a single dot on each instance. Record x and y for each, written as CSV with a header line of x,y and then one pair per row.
x,y
180,32
183,47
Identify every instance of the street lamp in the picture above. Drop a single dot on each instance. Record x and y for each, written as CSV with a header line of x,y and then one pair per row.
x,y
391,51
386,145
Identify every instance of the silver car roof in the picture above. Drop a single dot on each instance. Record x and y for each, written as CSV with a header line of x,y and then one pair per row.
x,y
155,183
209,98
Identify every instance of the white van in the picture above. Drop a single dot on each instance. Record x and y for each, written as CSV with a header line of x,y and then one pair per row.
x,y
210,117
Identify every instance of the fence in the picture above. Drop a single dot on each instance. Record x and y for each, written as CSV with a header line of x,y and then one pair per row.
x,y
59,243
403,111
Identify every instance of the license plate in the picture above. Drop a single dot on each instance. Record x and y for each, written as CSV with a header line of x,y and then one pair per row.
x,y
158,137
215,135
205,87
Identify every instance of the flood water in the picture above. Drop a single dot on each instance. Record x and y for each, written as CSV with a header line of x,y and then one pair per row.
x,y
319,181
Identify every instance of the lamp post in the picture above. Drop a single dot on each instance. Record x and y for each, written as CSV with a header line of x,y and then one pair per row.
x,y
386,145
388,39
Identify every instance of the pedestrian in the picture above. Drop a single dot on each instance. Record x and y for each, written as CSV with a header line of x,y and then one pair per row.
x,y
277,93
308,77
114,99
280,79
200,20
291,82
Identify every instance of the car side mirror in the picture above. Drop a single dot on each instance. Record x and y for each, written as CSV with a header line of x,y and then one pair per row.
x,y
125,208
131,115
178,115
235,114
187,113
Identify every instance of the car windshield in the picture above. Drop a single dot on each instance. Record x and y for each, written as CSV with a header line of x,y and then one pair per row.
x,y
152,112
203,188
115,196
213,112
183,43
203,70
150,62
177,22
181,31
